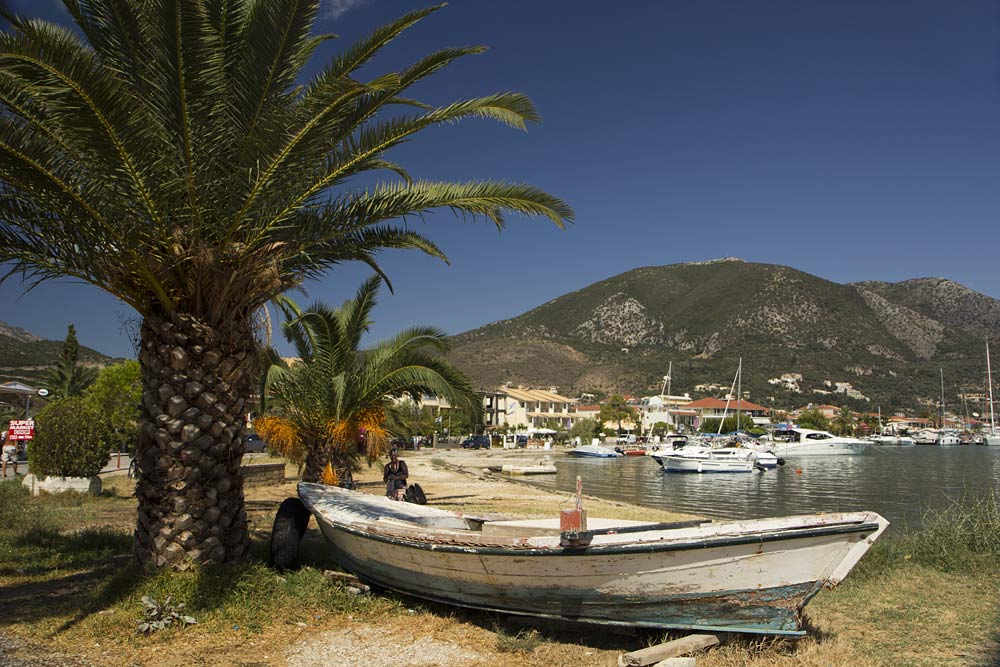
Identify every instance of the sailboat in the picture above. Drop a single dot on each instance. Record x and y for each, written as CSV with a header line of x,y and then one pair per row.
x,y
992,438
883,438
945,437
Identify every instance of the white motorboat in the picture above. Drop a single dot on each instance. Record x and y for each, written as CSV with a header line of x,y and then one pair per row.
x,y
595,451
708,459
808,442
743,576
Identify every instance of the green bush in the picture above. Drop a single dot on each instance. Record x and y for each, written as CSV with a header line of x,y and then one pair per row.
x,y
70,440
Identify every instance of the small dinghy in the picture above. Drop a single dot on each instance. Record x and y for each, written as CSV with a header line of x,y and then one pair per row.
x,y
743,576
595,451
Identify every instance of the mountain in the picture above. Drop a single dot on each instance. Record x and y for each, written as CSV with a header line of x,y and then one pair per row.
x,y
802,338
25,356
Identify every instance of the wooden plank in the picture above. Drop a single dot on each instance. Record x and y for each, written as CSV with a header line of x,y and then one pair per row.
x,y
672,649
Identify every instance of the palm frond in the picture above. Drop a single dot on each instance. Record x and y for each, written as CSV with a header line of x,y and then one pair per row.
x,y
166,155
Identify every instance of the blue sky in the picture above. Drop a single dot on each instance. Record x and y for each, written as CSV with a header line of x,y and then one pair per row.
x,y
852,140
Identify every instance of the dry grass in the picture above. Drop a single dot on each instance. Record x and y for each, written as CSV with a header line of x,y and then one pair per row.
x,y
79,599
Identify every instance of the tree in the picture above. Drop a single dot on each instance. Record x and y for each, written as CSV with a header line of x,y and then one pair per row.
x,y
615,409
339,392
729,424
844,422
68,378
70,441
116,395
585,429
408,419
174,154
814,419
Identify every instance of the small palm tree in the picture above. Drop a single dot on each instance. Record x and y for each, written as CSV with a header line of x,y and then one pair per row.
x,y
331,405
844,423
174,154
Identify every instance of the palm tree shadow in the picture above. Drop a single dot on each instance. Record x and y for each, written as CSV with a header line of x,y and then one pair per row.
x,y
121,583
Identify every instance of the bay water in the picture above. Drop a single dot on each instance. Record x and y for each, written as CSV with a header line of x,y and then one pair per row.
x,y
900,483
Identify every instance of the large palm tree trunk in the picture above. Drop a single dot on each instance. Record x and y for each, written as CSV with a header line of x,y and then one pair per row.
x,y
195,381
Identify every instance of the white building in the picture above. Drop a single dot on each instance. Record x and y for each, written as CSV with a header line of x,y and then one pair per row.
x,y
533,408
666,409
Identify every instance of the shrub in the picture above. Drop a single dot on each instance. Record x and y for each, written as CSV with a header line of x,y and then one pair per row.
x,y
69,441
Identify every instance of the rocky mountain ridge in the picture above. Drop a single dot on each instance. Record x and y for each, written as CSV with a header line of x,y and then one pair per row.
x,y
884,342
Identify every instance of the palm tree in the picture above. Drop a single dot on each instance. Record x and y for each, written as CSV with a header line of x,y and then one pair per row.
x,y
334,401
845,422
175,156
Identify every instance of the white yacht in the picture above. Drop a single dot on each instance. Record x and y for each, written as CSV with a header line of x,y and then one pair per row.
x,y
808,442
709,459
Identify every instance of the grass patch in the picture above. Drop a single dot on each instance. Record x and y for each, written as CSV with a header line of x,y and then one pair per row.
x,y
964,536
66,577
247,597
525,641
44,536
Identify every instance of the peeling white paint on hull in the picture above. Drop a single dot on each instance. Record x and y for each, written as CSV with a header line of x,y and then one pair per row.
x,y
748,576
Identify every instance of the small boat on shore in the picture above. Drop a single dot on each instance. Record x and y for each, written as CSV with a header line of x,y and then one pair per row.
x,y
744,576
595,451
518,469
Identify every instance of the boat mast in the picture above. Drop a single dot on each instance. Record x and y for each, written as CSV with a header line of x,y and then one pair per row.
x,y
666,387
739,392
989,380
942,398
729,398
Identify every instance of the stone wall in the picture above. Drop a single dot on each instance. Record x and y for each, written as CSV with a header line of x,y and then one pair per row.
x,y
263,473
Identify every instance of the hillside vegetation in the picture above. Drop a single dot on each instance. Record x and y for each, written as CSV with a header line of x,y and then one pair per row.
x,y
24,356
887,341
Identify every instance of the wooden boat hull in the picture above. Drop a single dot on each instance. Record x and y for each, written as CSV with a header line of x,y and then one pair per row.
x,y
723,577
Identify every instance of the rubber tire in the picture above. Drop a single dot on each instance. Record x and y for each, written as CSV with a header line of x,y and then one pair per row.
x,y
289,526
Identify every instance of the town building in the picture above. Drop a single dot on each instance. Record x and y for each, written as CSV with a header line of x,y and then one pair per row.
x,y
666,409
715,408
534,408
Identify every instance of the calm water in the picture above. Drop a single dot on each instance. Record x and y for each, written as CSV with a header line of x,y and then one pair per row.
x,y
899,483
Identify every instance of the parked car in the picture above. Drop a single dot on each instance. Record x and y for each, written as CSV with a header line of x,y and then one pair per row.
x,y
477,442
253,443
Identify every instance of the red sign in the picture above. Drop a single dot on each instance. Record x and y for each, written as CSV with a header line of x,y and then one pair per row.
x,y
21,429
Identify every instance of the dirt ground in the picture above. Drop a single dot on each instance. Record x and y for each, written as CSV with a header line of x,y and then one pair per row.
x,y
418,634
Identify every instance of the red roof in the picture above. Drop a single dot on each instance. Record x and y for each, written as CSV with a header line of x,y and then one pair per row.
x,y
710,403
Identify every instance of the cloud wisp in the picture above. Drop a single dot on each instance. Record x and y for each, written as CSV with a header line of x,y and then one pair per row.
x,y
334,8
